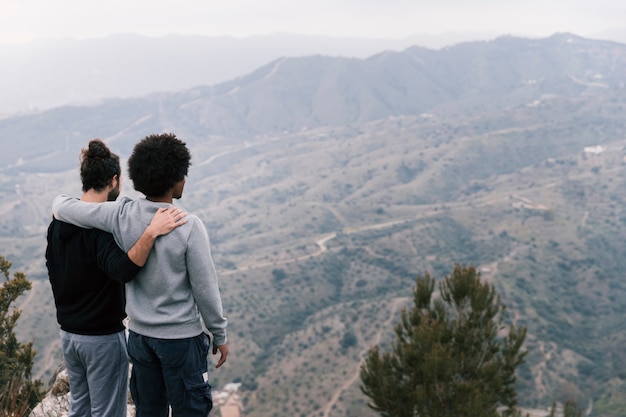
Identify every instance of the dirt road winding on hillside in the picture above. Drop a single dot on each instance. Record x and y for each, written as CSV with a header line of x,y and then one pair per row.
x,y
396,303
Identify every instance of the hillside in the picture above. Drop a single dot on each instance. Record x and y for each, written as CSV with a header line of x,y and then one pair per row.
x,y
44,74
328,184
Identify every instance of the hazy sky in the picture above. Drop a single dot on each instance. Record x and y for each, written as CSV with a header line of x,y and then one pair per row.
x,y
28,19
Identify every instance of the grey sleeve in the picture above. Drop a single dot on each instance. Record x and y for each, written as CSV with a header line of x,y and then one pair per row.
x,y
204,282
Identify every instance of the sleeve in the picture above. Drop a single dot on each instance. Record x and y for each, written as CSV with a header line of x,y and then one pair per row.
x,y
110,258
204,283
103,216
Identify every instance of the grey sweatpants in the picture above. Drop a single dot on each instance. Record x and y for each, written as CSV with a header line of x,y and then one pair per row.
x,y
97,367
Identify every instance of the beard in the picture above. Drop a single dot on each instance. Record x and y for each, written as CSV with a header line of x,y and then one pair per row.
x,y
114,193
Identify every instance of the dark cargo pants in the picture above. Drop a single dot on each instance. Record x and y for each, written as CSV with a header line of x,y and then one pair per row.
x,y
170,372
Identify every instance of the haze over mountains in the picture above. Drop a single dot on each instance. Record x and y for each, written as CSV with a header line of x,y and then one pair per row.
x,y
44,74
328,183
40,75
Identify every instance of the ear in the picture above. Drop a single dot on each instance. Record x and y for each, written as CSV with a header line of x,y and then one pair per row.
x,y
114,181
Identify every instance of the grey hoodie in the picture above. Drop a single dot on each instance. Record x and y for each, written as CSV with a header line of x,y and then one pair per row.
x,y
177,288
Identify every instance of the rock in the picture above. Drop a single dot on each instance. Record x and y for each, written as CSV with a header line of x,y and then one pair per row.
x,y
57,402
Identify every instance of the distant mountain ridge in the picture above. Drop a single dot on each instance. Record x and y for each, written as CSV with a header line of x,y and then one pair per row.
x,y
40,75
317,91
290,94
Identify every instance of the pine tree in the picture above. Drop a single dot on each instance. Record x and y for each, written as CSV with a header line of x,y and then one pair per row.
x,y
18,392
452,356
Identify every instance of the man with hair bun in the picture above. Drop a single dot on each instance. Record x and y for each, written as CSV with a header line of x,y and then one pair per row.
x,y
87,272
175,297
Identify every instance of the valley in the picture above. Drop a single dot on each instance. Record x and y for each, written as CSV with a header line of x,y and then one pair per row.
x,y
320,225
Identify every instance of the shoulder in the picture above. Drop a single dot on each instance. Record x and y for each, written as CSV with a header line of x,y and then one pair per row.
x,y
63,230
195,222
195,228
124,207
98,236
122,203
192,218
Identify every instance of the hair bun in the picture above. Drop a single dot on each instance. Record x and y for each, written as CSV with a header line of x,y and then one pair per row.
x,y
97,150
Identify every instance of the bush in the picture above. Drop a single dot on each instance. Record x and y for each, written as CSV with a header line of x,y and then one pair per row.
x,y
18,393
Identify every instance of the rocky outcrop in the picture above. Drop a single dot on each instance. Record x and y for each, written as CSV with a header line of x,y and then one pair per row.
x,y
57,402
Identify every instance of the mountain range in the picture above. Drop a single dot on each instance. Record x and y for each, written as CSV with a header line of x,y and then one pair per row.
x,y
40,75
328,184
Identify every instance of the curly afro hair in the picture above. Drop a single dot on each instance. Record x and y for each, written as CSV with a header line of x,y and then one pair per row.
x,y
157,163
98,165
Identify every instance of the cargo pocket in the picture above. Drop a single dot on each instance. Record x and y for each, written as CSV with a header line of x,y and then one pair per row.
x,y
198,394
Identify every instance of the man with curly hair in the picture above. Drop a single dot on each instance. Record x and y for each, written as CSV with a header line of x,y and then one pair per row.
x,y
176,295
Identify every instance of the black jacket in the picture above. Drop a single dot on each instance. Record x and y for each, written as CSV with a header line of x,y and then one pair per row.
x,y
87,271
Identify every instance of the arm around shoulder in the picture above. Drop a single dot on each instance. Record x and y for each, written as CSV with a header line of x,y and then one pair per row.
x,y
88,215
